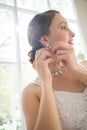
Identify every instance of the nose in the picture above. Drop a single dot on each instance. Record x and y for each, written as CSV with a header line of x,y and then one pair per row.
x,y
72,33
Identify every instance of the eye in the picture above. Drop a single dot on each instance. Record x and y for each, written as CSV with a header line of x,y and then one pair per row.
x,y
64,28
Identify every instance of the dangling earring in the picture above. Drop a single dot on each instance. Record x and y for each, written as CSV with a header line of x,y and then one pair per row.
x,y
47,45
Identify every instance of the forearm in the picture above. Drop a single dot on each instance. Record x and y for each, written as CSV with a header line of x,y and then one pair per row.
x,y
81,73
48,117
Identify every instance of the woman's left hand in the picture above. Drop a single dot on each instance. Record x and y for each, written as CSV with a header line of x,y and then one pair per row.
x,y
64,52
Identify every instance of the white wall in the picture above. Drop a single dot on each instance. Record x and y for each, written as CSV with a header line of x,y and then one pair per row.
x,y
81,11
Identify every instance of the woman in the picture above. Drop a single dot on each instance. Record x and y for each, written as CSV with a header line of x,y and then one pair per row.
x,y
57,99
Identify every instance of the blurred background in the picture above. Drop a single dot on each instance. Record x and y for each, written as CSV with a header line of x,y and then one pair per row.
x,y
15,70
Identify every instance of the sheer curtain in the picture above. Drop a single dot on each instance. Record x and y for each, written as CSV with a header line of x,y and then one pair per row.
x,y
15,70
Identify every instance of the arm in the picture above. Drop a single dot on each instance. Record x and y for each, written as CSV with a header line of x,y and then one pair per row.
x,y
30,105
40,111
65,53
48,117
81,72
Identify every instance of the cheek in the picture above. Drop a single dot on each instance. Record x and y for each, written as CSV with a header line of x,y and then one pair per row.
x,y
63,37
58,36
54,38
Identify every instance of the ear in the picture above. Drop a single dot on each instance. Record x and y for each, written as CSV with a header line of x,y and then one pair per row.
x,y
44,40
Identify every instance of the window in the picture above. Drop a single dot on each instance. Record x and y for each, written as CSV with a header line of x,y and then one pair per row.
x,y
15,70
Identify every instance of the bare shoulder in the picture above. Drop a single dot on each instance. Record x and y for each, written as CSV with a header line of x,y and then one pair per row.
x,y
31,89
30,104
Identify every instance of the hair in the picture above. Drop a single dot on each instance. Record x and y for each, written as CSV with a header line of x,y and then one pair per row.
x,y
38,27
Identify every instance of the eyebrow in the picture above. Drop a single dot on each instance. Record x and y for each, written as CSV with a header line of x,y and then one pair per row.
x,y
62,23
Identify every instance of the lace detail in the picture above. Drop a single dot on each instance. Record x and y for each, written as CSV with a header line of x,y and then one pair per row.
x,y
72,108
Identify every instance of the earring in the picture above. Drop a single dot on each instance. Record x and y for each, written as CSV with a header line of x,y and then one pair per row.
x,y
47,45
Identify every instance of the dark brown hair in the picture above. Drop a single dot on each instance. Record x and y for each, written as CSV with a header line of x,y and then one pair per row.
x,y
38,27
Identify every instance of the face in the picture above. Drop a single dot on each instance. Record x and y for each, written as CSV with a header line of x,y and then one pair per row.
x,y
59,31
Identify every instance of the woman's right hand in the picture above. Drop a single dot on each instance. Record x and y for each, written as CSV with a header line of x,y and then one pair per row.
x,y
41,63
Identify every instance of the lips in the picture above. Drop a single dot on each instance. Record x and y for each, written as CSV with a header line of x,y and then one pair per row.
x,y
70,42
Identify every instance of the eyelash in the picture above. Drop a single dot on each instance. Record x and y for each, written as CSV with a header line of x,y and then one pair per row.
x,y
65,28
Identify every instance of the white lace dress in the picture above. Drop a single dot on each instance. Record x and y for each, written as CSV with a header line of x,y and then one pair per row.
x,y
72,108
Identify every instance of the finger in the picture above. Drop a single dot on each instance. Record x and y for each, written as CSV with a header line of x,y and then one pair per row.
x,y
63,58
56,43
46,62
61,52
42,49
43,54
49,60
60,47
